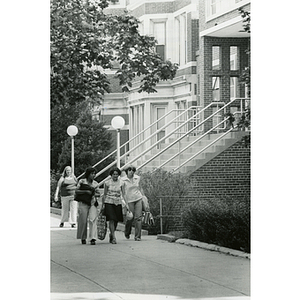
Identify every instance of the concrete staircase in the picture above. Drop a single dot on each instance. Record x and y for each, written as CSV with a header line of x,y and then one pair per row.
x,y
201,159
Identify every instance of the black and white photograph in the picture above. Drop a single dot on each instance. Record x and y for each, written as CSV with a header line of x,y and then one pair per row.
x,y
143,167
150,149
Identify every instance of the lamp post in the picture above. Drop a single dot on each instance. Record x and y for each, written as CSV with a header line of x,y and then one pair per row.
x,y
118,123
72,131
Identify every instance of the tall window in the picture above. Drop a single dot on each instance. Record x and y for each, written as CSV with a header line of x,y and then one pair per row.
x,y
180,27
233,87
216,88
159,32
216,65
215,8
234,58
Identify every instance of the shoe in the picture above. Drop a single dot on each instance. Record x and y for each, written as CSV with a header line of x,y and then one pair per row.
x,y
137,239
114,241
61,225
127,237
73,225
83,242
110,238
93,242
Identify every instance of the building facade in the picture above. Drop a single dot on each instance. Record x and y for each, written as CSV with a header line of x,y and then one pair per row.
x,y
206,39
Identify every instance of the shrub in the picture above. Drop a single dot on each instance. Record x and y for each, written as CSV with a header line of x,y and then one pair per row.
x,y
224,222
165,185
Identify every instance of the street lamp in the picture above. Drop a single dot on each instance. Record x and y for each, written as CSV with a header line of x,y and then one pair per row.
x,y
118,123
72,131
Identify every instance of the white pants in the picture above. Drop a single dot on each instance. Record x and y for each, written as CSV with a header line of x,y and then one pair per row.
x,y
84,221
69,210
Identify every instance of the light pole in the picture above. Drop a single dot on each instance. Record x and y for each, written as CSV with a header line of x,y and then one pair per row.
x,y
72,131
118,123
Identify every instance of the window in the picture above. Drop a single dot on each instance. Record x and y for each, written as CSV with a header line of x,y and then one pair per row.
x,y
233,87
159,32
216,88
213,7
216,58
234,58
216,8
180,27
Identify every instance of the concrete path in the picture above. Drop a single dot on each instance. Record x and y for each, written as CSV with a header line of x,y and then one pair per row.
x,y
149,269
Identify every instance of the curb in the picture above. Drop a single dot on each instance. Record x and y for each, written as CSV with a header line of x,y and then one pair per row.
x,y
211,247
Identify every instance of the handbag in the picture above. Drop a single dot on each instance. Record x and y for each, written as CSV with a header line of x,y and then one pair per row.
x,y
129,215
101,226
147,219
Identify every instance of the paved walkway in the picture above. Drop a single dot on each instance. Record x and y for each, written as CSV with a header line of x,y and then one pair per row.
x,y
151,269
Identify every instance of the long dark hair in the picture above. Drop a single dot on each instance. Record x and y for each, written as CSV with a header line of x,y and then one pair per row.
x,y
88,171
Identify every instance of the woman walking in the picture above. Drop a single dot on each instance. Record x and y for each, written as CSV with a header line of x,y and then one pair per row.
x,y
87,195
66,187
112,202
133,197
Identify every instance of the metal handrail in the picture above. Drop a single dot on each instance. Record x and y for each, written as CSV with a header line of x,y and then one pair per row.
x,y
191,119
202,150
195,141
123,145
149,137
192,143
185,134
168,135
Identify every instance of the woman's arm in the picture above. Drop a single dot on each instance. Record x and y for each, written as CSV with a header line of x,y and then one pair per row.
x,y
58,188
123,195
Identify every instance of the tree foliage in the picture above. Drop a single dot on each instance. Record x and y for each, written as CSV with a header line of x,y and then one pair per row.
x,y
92,142
85,41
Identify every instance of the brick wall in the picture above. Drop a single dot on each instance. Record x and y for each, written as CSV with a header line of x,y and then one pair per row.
x,y
227,175
206,72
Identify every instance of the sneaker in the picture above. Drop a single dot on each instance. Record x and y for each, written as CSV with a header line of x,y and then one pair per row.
x,y
83,242
93,242
137,239
113,241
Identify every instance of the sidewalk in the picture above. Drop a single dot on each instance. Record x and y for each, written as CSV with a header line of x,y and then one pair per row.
x,y
171,238
150,269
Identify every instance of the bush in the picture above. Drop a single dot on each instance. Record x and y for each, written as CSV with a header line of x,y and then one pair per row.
x,y
224,222
165,185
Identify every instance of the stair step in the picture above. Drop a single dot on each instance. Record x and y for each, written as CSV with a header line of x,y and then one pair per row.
x,y
196,162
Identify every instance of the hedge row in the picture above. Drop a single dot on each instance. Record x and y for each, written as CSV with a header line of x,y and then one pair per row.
x,y
224,222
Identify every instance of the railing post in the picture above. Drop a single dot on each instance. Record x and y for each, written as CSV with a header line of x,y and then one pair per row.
x,y
161,212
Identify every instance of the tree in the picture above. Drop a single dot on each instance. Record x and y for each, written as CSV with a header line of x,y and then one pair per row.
x,y
85,41
93,142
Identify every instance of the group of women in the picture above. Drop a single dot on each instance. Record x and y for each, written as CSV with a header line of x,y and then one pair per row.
x,y
121,194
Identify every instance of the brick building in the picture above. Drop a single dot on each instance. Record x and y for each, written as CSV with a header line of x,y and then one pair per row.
x,y
206,38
